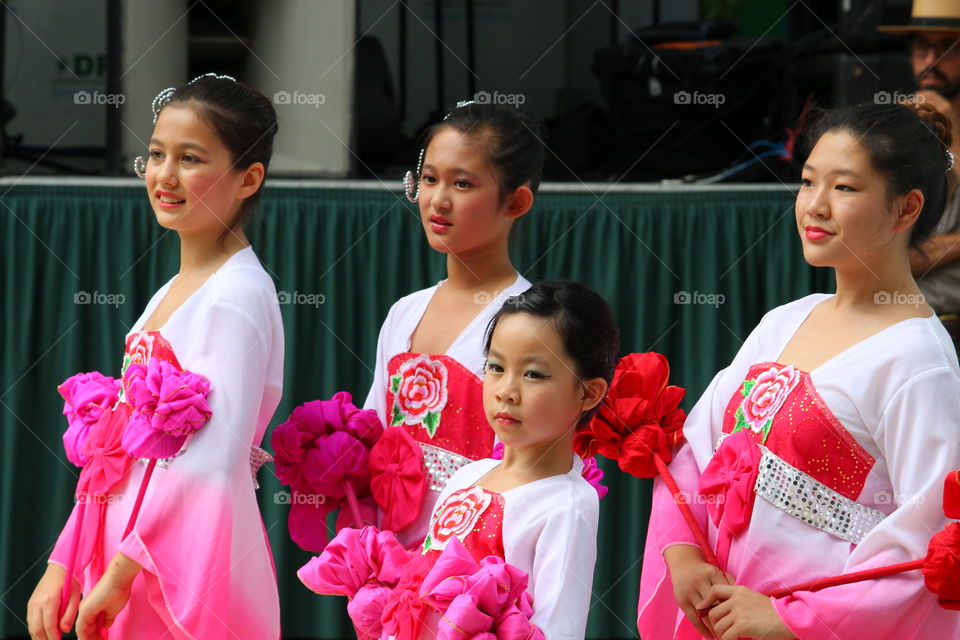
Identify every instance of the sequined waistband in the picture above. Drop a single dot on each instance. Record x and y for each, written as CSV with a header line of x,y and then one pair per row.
x,y
440,465
258,457
802,496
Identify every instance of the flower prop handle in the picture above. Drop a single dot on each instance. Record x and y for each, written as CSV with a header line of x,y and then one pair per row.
x,y
67,588
685,511
941,565
849,578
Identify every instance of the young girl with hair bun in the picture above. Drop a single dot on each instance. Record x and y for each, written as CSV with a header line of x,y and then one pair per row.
x,y
822,449
177,549
511,545
478,174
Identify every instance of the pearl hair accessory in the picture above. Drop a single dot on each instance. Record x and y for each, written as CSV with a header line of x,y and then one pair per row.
x,y
162,100
411,181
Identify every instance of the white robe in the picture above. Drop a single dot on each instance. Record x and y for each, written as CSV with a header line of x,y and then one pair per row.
x,y
550,532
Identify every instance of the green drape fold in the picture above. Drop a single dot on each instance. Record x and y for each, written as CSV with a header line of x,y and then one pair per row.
x,y
688,274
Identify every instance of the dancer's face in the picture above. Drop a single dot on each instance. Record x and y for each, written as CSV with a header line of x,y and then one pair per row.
x,y
191,179
460,204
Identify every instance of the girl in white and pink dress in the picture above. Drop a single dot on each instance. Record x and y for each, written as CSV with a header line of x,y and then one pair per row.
x,y
479,170
511,545
822,449
196,563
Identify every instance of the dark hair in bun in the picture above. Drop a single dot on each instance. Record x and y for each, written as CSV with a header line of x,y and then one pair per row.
x,y
907,144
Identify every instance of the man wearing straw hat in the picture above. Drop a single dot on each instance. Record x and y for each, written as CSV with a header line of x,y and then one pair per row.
x,y
934,50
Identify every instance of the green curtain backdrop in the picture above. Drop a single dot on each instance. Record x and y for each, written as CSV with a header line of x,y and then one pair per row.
x,y
687,272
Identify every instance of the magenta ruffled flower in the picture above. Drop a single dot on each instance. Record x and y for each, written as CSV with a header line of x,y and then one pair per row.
x,y
86,396
168,405
323,449
593,474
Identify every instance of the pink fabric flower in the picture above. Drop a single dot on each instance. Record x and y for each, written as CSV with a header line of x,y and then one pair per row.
x,y
107,462
480,601
86,396
767,395
322,448
364,565
168,405
593,474
728,484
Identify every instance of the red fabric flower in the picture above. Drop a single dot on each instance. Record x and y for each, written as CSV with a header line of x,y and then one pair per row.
x,y
951,495
405,610
941,567
397,479
638,418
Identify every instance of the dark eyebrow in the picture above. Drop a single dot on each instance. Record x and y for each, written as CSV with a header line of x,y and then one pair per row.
x,y
837,172
185,145
452,170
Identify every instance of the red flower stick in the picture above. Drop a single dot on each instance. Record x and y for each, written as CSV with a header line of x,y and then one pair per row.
x,y
848,578
638,424
941,566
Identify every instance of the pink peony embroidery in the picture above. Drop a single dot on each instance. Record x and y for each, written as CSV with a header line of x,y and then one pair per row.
x,y
420,393
457,517
765,396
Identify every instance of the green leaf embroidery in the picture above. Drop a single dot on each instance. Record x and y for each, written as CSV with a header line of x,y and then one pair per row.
x,y
431,422
741,421
766,430
427,543
394,384
748,386
397,417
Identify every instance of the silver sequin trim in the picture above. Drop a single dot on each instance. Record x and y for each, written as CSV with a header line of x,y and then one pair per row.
x,y
257,459
440,465
793,491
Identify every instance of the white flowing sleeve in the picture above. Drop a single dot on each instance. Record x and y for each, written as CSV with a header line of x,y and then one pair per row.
x,y
199,530
377,396
563,561
919,438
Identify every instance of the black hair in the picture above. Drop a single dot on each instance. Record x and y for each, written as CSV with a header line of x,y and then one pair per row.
x,y
907,144
516,149
243,119
582,318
